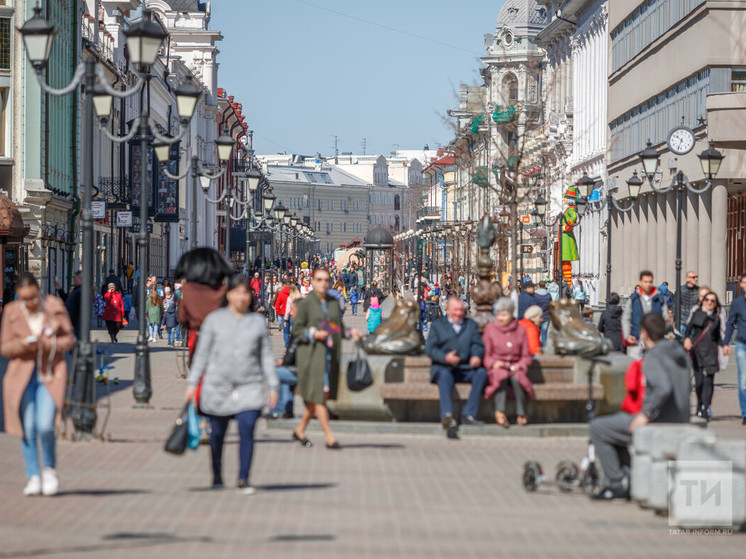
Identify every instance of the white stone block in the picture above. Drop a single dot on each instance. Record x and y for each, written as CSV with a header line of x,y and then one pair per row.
x,y
697,465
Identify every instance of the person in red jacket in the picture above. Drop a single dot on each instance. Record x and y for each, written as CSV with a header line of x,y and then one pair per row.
x,y
113,312
634,380
256,283
281,302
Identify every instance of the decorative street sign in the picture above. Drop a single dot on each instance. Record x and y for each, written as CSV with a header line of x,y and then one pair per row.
x,y
98,209
124,219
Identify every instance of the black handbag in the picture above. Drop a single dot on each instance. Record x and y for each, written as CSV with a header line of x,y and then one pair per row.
x,y
359,375
177,440
289,359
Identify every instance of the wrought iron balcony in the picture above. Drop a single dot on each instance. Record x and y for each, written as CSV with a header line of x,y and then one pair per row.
x,y
115,191
429,211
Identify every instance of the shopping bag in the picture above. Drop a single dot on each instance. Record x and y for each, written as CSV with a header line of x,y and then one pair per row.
x,y
193,430
359,375
177,440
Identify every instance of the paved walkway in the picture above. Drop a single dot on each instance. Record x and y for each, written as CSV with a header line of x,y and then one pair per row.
x,y
390,495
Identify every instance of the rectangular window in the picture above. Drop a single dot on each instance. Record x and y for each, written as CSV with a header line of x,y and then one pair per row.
x,y
6,33
738,80
3,105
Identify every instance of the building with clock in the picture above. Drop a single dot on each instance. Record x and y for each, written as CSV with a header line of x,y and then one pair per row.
x,y
680,108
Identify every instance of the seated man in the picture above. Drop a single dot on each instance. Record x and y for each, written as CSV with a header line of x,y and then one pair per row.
x,y
666,400
456,349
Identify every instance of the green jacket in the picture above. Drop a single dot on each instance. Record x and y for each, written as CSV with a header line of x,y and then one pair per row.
x,y
311,356
155,312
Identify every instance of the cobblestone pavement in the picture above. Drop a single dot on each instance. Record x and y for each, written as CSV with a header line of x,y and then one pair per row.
x,y
384,495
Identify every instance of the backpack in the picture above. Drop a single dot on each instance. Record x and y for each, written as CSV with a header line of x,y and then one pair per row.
x,y
100,305
433,311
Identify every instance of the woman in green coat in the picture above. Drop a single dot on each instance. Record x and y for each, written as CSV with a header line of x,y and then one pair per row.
x,y
319,330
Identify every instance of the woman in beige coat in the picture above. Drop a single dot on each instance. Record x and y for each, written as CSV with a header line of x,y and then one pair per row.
x,y
36,333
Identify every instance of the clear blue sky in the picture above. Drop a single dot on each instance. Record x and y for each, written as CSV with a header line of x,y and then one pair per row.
x,y
305,73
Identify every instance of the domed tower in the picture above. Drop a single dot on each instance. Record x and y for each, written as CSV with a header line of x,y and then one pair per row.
x,y
513,64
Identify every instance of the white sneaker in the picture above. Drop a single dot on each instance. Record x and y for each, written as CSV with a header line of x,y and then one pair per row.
x,y
246,490
50,483
33,486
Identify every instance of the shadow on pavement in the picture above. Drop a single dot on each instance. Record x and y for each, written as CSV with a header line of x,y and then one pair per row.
x,y
121,541
102,492
295,486
382,446
302,538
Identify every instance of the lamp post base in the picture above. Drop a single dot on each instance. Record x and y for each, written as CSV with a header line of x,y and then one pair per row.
x,y
83,405
141,388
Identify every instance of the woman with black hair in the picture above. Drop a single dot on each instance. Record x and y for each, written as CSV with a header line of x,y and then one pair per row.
x,y
234,359
203,272
702,339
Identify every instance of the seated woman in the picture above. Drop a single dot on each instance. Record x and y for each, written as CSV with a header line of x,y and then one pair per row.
x,y
507,359
531,322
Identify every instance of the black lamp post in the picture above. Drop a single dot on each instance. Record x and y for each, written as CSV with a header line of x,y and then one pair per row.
x,y
710,160
144,40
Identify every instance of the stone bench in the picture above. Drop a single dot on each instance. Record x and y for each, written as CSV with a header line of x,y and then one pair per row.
x,y
560,389
653,446
674,471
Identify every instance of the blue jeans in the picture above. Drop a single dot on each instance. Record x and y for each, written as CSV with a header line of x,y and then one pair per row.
x,y
354,308
37,415
445,377
544,331
172,333
153,328
219,424
287,325
288,380
741,361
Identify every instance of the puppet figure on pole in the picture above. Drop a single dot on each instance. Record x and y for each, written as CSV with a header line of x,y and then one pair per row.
x,y
568,248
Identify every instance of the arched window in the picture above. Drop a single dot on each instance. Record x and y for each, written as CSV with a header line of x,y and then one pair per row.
x,y
397,224
510,89
397,202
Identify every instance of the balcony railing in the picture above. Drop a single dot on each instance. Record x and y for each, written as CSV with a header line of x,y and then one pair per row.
x,y
429,211
115,191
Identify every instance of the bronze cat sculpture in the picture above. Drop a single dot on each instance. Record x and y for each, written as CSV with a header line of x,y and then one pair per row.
x,y
571,334
397,334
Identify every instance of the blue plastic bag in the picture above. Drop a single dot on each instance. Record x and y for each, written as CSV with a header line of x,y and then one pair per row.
x,y
194,435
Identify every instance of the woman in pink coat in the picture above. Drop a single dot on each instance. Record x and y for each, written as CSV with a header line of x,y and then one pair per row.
x,y
36,333
507,359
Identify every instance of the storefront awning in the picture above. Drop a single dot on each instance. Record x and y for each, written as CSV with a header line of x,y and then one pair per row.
x,y
12,228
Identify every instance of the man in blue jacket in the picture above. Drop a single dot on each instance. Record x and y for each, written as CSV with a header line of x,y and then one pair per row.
x,y
456,349
644,300
738,318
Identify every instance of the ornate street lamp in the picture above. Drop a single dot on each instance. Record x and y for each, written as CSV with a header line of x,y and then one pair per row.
x,y
710,159
585,184
649,158
144,40
38,35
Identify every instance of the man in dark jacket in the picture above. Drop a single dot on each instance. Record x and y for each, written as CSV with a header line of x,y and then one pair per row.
x,y
738,318
456,349
610,323
72,303
526,299
689,294
666,372
372,291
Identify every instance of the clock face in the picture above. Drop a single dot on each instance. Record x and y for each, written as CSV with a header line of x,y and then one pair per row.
x,y
681,141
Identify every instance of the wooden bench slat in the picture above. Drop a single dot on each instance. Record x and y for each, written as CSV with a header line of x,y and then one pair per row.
x,y
542,392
